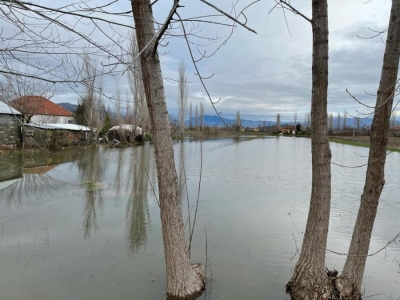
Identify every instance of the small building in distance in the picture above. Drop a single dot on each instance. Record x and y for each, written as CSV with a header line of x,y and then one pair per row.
x,y
40,110
288,129
10,126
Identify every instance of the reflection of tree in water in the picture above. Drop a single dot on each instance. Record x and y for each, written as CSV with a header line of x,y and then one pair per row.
x,y
91,172
137,208
30,187
94,203
118,173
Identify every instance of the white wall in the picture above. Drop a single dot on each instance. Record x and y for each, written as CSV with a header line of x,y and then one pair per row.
x,y
45,119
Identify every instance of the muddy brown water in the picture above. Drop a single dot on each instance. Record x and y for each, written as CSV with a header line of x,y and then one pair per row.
x,y
85,224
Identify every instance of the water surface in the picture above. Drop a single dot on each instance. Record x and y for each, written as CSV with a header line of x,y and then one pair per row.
x,y
85,224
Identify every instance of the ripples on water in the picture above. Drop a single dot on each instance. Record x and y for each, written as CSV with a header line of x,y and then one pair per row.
x,y
89,228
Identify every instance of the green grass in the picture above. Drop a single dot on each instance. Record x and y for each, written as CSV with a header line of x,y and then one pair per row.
x,y
360,144
352,143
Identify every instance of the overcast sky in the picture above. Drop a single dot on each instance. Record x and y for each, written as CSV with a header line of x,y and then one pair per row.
x,y
270,72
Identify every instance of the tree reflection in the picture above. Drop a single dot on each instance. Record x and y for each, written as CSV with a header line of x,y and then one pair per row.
x,y
91,172
94,203
32,186
137,207
118,173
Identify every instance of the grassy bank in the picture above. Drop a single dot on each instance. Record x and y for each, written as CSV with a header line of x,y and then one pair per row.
x,y
211,134
363,141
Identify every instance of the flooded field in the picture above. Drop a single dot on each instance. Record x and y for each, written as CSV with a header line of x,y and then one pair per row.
x,y
85,224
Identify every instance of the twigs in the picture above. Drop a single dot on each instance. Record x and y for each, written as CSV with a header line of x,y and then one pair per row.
x,y
229,16
376,106
47,40
285,5
166,24
372,254
198,72
363,165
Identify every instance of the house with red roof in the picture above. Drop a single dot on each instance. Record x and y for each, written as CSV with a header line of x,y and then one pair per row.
x,y
40,110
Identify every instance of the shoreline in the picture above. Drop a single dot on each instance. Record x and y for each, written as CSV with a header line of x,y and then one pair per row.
x,y
363,141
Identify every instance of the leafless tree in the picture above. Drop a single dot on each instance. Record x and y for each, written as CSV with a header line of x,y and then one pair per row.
x,y
310,280
201,116
182,96
23,94
393,119
344,120
278,122
358,123
135,78
190,116
331,124
238,122
196,120
182,279
129,112
58,33
91,100
295,118
349,283
339,122
45,42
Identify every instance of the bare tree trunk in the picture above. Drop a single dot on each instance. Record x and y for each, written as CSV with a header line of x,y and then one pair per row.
x,y
196,122
310,280
140,112
238,121
183,96
182,280
92,100
190,117
201,116
349,283
278,122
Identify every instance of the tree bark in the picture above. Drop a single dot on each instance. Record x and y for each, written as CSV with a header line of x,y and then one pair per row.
x,y
349,283
310,280
182,279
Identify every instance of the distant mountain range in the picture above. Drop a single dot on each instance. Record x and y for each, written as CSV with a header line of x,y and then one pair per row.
x,y
214,121
69,106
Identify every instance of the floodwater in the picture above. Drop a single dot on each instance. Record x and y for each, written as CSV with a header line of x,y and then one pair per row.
x,y
85,224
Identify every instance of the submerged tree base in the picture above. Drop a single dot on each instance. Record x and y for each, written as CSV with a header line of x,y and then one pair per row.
x,y
200,273
346,289
313,286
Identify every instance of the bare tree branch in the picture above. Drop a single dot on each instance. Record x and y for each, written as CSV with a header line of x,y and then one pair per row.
x,y
229,16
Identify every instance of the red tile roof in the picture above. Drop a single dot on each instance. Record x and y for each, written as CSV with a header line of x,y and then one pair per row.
x,y
39,105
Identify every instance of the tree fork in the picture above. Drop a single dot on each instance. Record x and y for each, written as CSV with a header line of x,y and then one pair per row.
x,y
183,280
